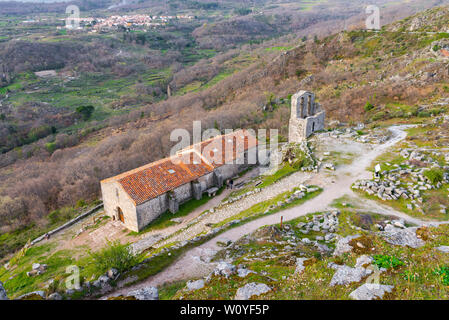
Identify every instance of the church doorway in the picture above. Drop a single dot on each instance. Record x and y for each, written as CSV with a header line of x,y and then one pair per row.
x,y
121,217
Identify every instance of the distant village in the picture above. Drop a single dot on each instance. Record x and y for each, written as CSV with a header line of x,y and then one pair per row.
x,y
137,20
120,21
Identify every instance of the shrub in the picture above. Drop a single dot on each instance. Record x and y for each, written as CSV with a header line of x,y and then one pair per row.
x,y
424,114
114,255
368,106
435,175
85,111
387,262
81,203
51,147
61,215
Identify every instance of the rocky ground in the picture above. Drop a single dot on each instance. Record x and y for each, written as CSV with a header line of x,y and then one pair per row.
x,y
331,255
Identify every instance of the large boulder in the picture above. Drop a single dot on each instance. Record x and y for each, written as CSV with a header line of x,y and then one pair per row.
x,y
343,246
345,275
370,291
250,290
402,237
147,293
3,295
195,285
243,272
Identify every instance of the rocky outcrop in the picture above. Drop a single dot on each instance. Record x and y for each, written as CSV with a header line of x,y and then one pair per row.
x,y
195,285
402,237
3,295
370,291
345,275
250,290
343,246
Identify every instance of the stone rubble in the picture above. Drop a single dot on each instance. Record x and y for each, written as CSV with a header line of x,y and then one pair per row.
x,y
147,293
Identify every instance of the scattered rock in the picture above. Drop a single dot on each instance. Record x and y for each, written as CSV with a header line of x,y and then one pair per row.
x,y
300,265
242,273
3,295
224,269
176,220
112,273
363,261
195,285
444,249
147,293
55,296
370,291
250,290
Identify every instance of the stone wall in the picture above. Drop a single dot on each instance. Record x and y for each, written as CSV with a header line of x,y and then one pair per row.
x,y
150,210
114,197
314,123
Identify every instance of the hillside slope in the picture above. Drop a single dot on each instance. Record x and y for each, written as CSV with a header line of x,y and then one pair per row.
x,y
397,72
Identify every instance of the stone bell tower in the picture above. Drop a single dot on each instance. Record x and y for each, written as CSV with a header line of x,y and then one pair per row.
x,y
306,116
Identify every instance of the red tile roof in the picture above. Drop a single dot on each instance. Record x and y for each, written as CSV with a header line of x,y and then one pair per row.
x,y
445,52
157,178
224,149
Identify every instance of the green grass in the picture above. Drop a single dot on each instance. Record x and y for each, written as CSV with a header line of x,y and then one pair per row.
x,y
12,241
283,172
167,291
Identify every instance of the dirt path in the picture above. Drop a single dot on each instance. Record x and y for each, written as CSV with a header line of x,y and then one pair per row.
x,y
195,262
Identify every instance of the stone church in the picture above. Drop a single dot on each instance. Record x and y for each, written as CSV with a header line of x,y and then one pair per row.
x,y
139,196
306,116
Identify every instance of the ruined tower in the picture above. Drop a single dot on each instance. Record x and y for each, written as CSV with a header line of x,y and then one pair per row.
x,y
306,116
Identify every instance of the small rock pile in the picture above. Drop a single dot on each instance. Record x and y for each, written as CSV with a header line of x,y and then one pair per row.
x,y
326,223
